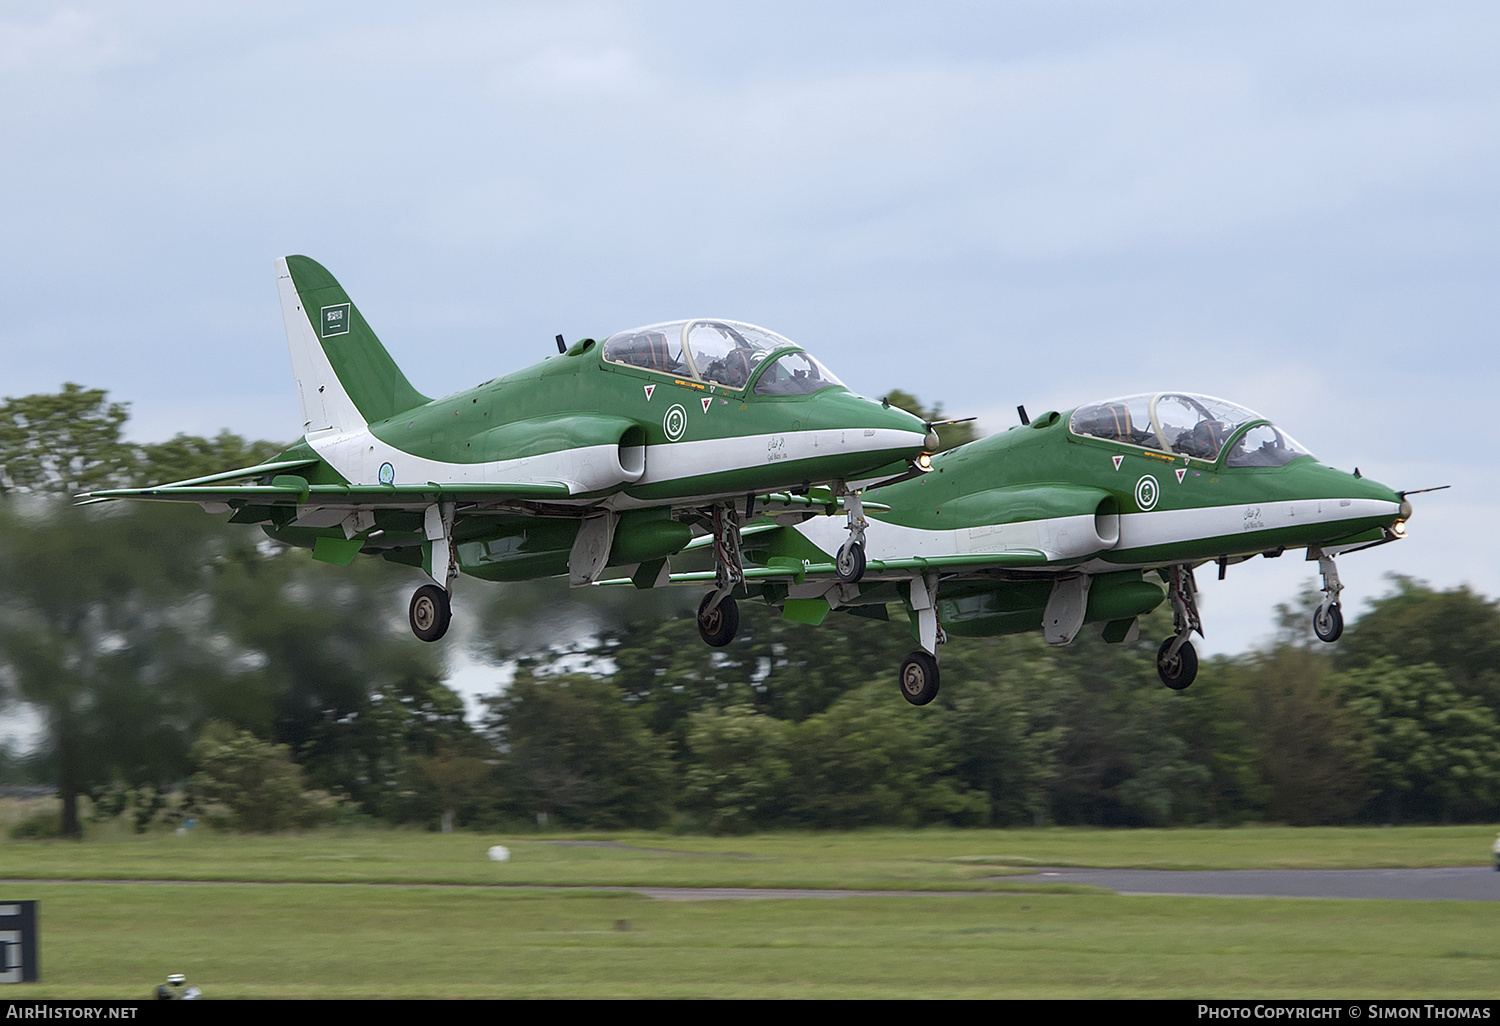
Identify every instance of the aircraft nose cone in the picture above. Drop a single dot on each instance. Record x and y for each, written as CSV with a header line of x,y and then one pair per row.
x,y
848,410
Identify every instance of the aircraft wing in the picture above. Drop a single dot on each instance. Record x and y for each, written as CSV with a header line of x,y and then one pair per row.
x,y
271,483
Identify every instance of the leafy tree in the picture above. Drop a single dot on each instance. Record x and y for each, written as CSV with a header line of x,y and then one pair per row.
x,y
572,749
62,444
1309,749
131,626
404,754
257,781
184,457
999,723
781,668
737,770
1413,624
102,627
320,640
1124,759
1435,753
872,759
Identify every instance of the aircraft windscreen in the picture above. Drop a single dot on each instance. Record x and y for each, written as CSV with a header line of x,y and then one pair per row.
x,y
723,352
795,374
1180,422
1264,445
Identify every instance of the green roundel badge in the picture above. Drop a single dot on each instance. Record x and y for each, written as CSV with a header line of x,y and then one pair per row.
x,y
1147,492
674,423
387,473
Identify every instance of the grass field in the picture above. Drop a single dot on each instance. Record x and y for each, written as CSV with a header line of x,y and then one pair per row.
x,y
335,928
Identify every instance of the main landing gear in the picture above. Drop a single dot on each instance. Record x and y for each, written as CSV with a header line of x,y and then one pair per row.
x,y
718,613
1176,660
431,610
1328,619
919,675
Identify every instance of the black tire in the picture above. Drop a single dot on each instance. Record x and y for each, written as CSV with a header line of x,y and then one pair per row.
x,y
1179,671
1331,627
719,627
430,612
919,678
849,564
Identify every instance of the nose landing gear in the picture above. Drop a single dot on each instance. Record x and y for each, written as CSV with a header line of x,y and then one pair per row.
x,y
849,564
1328,620
1176,660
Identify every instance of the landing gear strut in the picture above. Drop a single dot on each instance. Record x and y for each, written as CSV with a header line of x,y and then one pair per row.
x,y
919,675
718,614
431,611
1176,660
849,564
1328,620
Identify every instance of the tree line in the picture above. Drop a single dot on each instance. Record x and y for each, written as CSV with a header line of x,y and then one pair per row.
x,y
184,666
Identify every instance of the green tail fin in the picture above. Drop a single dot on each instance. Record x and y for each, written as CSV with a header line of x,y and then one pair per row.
x,y
326,332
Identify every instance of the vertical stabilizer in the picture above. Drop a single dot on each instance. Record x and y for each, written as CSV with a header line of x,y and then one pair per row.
x,y
345,378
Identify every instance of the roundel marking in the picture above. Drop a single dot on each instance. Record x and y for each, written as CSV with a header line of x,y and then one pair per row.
x,y
675,422
1147,492
387,473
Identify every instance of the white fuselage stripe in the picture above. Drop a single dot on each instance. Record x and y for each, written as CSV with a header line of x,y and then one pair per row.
x,y
1075,537
358,456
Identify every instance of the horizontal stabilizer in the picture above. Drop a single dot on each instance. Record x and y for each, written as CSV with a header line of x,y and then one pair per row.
x,y
235,475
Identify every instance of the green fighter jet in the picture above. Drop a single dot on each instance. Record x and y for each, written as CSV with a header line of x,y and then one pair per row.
x,y
1089,517
607,454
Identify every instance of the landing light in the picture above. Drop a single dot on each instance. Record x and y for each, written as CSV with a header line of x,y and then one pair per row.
x,y
925,461
1399,529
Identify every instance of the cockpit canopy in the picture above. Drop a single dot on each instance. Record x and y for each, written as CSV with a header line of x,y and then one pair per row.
x,y
726,353
1190,425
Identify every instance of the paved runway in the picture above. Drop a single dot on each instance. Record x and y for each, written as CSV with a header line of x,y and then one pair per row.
x,y
1463,883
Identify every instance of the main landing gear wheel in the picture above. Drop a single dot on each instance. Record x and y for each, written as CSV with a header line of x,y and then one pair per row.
x,y
919,678
430,612
1328,626
850,562
1179,671
719,625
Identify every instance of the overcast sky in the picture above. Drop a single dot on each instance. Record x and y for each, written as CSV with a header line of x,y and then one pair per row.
x,y
1293,206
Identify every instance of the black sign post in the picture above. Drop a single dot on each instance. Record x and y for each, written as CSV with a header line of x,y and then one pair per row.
x,y
18,961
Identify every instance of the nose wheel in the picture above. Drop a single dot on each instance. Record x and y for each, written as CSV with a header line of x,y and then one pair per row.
x,y
1328,624
850,562
430,612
